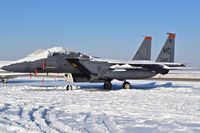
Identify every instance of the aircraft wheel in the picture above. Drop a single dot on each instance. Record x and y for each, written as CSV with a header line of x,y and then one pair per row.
x,y
107,85
4,81
69,87
126,85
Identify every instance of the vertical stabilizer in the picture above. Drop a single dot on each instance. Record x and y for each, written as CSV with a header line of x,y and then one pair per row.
x,y
167,52
144,51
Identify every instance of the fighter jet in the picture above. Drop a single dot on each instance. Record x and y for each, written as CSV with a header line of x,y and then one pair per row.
x,y
95,69
53,60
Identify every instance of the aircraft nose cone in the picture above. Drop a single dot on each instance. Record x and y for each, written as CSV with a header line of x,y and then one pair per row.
x,y
7,68
14,67
17,67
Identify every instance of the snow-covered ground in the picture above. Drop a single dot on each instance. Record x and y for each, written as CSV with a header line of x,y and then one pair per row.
x,y
161,106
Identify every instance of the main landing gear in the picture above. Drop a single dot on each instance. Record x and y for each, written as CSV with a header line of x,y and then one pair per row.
x,y
4,81
126,85
108,85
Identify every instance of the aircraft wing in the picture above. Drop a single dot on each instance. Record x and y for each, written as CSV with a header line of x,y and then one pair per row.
x,y
152,66
144,64
139,66
126,66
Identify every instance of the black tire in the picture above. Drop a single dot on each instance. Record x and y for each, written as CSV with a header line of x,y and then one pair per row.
x,y
4,81
69,87
107,85
126,85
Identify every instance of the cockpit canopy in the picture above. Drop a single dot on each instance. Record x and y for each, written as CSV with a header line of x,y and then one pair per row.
x,y
78,55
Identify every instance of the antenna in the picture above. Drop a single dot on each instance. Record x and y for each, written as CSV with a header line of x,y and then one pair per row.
x,y
49,53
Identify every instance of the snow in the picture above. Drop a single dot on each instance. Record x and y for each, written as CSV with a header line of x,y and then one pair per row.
x,y
3,63
41,53
162,106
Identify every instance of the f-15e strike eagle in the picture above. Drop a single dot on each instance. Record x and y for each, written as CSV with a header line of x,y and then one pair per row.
x,y
53,61
94,69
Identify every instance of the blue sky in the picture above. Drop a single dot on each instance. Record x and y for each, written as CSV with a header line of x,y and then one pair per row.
x,y
105,28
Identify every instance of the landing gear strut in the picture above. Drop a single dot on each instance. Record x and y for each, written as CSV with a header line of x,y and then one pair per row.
x,y
107,85
126,85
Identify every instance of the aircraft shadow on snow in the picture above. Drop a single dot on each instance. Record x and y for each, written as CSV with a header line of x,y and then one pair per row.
x,y
116,86
153,85
141,86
